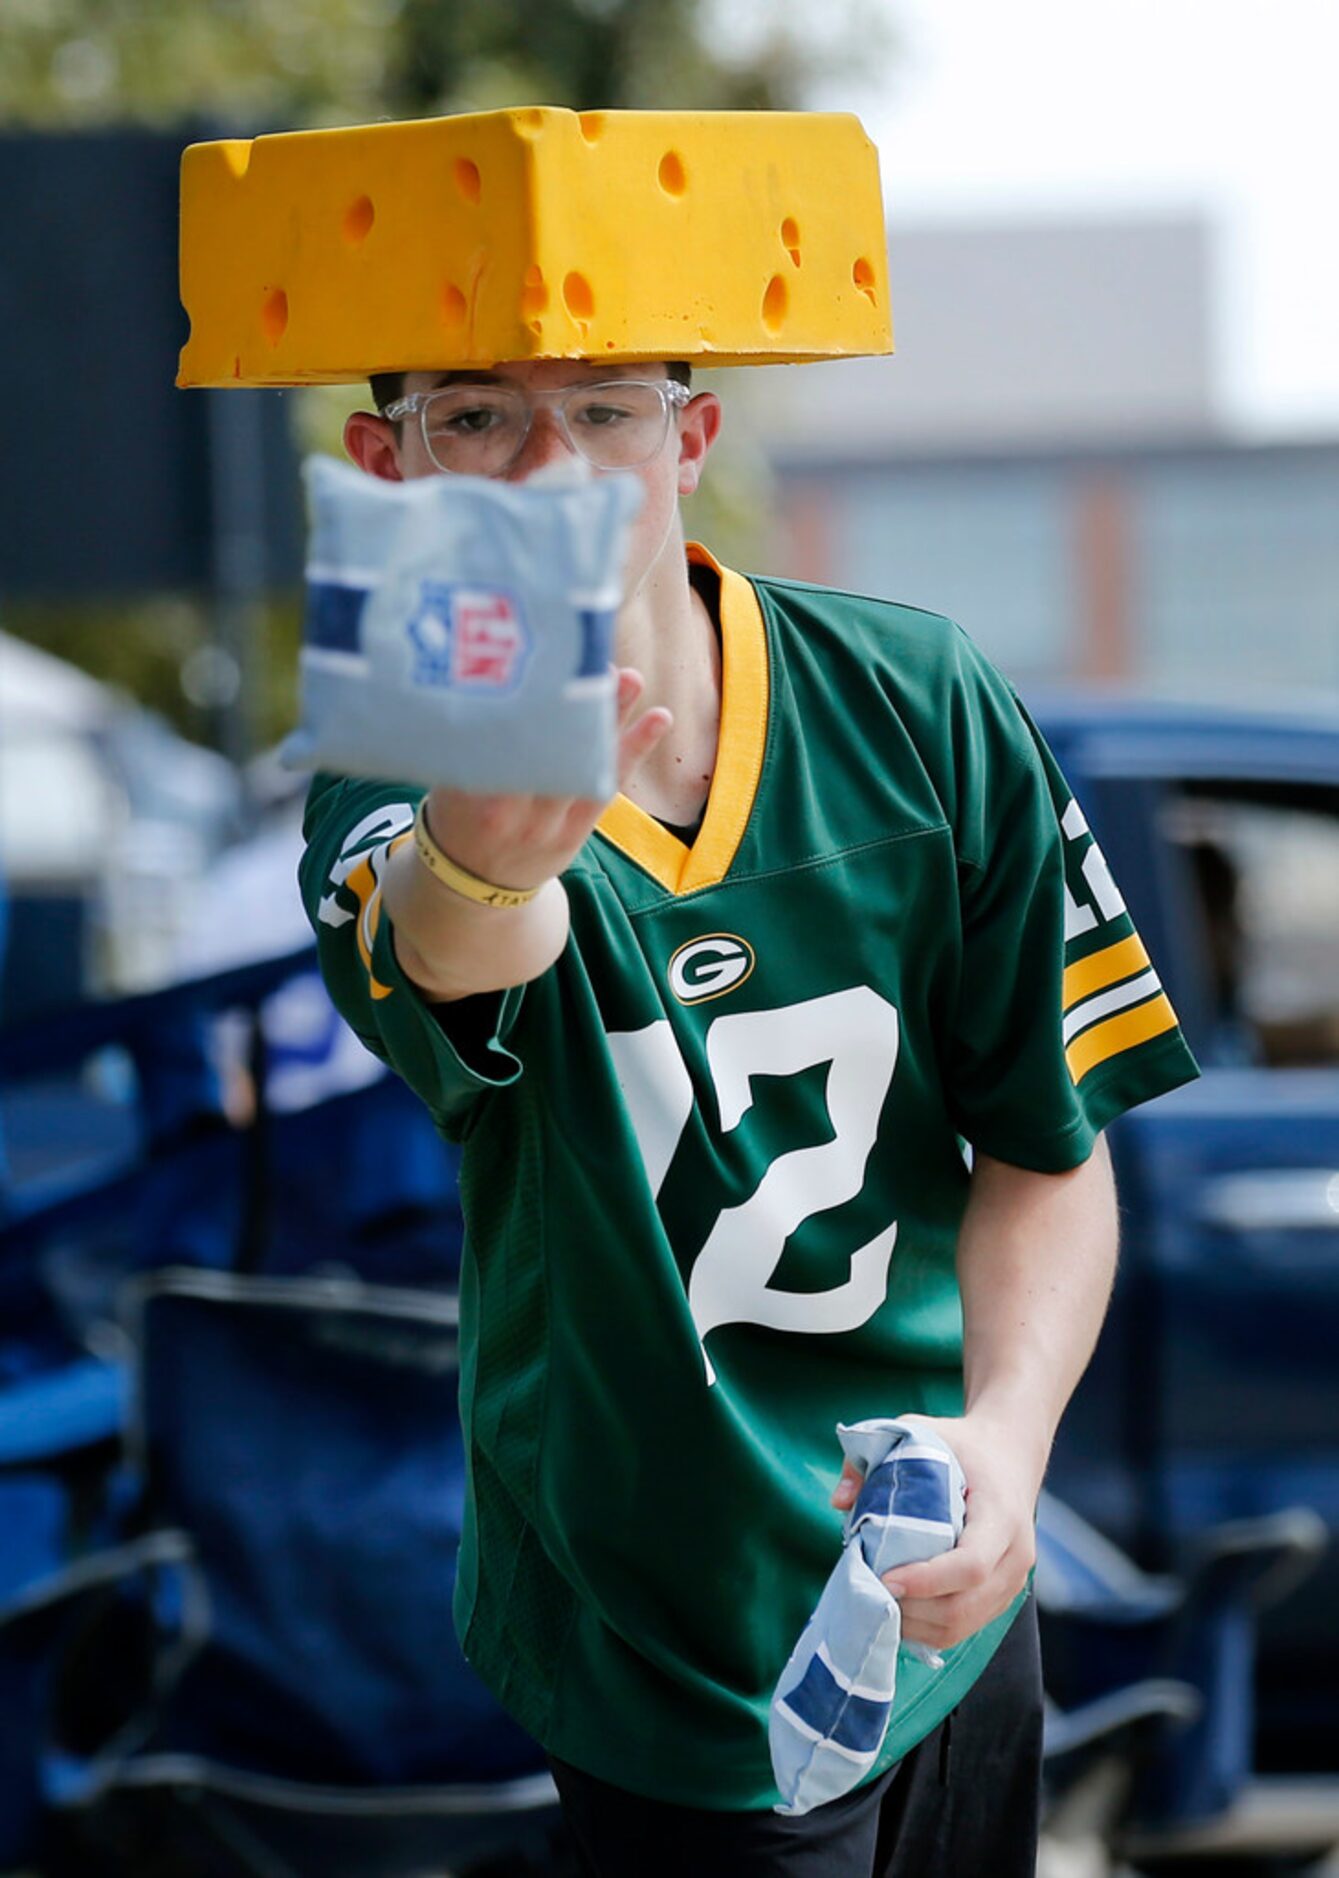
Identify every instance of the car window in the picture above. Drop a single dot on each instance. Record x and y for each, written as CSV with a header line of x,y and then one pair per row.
x,y
1263,873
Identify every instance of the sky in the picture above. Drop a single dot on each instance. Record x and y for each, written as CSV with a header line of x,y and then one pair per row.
x,y
1227,108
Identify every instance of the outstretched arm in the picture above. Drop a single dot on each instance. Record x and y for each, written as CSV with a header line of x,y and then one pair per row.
x,y
452,947
1036,1259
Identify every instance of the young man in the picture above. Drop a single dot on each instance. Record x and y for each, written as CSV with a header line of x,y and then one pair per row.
x,y
714,1062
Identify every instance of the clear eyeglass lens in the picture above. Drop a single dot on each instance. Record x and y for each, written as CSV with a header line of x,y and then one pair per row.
x,y
617,426
474,430
480,430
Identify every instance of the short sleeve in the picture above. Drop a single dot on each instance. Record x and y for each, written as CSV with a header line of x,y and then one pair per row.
x,y
449,1055
1061,1021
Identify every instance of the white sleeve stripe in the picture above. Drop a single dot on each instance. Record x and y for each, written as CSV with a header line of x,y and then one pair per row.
x,y
1134,991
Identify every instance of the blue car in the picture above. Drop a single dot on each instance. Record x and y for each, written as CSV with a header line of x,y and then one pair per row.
x,y
1214,1394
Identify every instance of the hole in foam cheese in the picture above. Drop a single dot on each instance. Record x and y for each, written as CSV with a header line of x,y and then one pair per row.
x,y
274,315
578,296
774,304
672,175
534,291
358,220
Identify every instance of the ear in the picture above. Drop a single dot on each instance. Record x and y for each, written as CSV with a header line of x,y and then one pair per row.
x,y
372,443
699,426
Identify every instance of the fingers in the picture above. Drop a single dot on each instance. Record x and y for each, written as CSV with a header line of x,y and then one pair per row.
x,y
631,685
641,737
847,1490
949,1598
638,735
945,1577
943,1624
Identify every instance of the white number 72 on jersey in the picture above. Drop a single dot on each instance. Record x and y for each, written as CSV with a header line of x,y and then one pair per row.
x,y
856,1033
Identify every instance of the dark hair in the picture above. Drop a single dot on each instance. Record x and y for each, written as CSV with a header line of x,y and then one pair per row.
x,y
388,386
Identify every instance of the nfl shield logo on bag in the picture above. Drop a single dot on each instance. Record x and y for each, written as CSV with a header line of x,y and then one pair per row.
x,y
468,638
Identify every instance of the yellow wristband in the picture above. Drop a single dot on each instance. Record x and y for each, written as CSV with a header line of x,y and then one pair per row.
x,y
459,879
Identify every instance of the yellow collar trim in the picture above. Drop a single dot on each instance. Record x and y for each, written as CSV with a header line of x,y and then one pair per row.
x,y
739,755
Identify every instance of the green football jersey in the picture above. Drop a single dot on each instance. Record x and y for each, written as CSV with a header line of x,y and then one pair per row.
x,y
715,1161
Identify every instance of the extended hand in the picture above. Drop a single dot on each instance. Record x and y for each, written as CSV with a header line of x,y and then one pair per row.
x,y
522,840
949,1598
452,947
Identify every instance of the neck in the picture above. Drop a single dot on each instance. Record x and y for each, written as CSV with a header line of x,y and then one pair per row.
x,y
666,632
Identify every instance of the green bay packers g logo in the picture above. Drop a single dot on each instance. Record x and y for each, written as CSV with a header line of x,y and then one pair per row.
x,y
708,968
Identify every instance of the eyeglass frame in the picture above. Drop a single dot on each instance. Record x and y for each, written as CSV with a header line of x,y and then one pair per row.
x,y
673,395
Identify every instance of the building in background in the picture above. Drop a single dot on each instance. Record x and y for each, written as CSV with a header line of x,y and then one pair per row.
x,y
1044,459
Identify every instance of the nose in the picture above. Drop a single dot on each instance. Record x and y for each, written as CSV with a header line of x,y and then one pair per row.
x,y
545,444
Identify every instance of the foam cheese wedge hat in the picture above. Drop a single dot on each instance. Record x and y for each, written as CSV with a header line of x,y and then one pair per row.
x,y
726,238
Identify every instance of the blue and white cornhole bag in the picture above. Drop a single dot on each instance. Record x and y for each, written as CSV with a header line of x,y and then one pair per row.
x,y
833,1702
460,631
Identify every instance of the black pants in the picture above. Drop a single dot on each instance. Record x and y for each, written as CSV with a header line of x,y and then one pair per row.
x,y
963,1802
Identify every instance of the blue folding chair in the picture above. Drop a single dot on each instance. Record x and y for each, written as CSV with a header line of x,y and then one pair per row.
x,y
1150,1683
339,1169
300,1703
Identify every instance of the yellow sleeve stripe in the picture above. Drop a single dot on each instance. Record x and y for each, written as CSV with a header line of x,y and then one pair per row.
x,y
1119,1033
1106,1003
364,882
1103,969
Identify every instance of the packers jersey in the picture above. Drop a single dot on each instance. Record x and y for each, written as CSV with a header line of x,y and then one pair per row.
x,y
716,1157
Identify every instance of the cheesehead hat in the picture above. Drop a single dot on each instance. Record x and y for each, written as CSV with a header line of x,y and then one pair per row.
x,y
726,238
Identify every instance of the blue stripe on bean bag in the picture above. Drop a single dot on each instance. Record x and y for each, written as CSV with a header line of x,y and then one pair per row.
x,y
334,616
597,641
921,1487
852,1721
